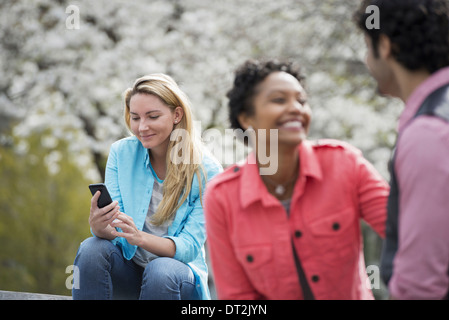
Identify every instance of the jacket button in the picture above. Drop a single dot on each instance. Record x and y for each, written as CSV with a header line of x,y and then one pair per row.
x,y
236,169
298,234
336,226
315,278
249,258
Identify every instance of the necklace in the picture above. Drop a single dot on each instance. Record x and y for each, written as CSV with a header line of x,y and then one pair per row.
x,y
279,188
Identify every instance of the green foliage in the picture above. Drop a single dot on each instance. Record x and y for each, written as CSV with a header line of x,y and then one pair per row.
x,y
43,216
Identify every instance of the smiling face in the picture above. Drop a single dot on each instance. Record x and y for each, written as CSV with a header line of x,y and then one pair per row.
x,y
280,102
152,121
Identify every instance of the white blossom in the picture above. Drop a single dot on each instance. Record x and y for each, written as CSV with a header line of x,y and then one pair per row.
x,y
69,83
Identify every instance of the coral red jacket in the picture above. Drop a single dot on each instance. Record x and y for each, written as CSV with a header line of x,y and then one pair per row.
x,y
250,236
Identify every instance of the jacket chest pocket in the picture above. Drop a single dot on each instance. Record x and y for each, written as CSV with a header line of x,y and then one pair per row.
x,y
335,236
257,261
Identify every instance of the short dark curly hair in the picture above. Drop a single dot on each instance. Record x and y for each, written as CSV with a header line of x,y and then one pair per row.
x,y
418,30
247,77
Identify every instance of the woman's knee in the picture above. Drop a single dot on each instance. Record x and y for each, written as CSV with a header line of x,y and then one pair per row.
x,y
168,270
168,279
93,248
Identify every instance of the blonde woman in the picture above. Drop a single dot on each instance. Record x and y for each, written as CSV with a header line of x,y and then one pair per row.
x,y
149,243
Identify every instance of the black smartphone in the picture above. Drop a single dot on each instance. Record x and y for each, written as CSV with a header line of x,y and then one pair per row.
x,y
104,198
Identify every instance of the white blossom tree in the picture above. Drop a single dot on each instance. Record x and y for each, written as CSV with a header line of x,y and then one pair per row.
x,y
71,79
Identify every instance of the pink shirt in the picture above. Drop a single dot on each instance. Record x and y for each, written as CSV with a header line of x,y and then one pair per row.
x,y
250,235
421,265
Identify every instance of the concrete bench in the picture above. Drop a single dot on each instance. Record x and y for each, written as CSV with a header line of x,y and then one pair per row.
x,y
12,295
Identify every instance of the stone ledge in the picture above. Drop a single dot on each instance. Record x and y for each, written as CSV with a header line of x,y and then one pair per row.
x,y
13,295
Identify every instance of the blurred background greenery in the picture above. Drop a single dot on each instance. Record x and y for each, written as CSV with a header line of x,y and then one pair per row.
x,y
61,101
43,217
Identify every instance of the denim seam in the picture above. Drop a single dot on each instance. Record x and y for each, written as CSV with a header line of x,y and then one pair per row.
x,y
109,273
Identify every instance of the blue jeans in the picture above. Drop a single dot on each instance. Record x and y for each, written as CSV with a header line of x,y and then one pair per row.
x,y
105,274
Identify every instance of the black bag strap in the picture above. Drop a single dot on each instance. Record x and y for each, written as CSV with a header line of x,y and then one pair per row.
x,y
306,291
437,104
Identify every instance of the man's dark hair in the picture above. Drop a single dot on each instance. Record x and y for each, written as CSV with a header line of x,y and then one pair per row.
x,y
417,29
247,77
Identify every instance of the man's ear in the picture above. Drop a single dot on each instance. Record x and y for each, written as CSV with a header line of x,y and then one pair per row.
x,y
384,47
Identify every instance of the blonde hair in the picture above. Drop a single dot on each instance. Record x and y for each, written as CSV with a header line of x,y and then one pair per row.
x,y
183,144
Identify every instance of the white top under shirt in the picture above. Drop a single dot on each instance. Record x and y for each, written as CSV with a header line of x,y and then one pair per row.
x,y
142,256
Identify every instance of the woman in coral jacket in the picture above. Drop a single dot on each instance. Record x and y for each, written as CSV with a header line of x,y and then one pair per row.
x,y
294,232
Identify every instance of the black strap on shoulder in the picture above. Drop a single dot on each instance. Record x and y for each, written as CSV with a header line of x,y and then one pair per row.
x,y
437,104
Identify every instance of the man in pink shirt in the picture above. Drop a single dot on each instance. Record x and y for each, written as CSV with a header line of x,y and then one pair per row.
x,y
408,55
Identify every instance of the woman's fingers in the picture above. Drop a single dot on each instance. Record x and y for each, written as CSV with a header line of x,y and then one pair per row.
x,y
125,227
129,230
112,206
96,211
94,200
112,215
126,219
124,222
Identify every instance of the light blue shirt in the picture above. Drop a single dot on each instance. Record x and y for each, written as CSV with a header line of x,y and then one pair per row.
x,y
130,182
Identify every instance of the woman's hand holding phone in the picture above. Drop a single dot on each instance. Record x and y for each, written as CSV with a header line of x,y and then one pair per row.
x,y
101,218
